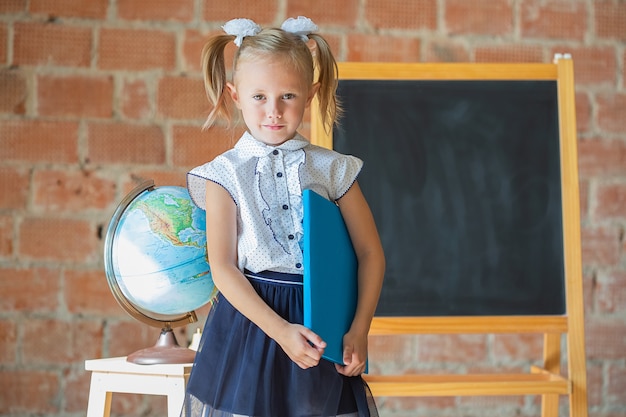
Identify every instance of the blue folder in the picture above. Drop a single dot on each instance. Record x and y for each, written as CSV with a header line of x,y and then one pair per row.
x,y
330,274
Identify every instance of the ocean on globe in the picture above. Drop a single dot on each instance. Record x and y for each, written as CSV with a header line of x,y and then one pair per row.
x,y
159,255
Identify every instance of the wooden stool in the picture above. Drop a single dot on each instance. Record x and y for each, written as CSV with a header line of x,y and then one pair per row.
x,y
116,375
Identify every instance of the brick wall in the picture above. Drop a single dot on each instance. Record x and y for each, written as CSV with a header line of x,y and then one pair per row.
x,y
96,95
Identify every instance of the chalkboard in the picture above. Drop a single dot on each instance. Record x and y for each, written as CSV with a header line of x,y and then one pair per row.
x,y
463,178
471,170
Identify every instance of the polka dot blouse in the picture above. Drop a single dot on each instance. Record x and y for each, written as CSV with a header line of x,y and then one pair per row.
x,y
266,184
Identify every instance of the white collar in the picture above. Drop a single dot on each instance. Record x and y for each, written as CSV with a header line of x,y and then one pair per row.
x,y
249,145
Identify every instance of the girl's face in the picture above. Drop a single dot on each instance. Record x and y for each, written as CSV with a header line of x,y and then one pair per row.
x,y
272,96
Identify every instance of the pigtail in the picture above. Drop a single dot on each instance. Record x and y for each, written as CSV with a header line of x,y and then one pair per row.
x,y
328,73
214,70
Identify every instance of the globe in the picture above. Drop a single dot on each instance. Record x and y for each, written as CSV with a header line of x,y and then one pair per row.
x,y
156,264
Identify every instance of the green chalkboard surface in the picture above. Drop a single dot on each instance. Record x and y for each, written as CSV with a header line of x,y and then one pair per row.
x,y
463,178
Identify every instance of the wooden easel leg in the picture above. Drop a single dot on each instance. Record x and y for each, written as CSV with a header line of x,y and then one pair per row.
x,y
552,364
550,405
571,236
578,376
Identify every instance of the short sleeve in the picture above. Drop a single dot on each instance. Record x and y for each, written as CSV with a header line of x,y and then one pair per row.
x,y
344,172
217,171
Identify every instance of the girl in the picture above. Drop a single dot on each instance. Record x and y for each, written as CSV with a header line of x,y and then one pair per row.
x,y
255,357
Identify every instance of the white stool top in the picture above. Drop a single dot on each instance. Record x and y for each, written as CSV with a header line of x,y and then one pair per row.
x,y
120,365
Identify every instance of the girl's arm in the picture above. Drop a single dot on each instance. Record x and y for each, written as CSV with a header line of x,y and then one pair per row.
x,y
221,226
371,269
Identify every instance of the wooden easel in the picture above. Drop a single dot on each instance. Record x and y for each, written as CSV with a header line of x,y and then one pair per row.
x,y
547,380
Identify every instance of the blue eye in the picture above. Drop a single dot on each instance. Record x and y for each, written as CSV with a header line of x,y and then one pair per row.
x,y
258,97
289,96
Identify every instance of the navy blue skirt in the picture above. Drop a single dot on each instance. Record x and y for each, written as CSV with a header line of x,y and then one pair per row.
x,y
239,370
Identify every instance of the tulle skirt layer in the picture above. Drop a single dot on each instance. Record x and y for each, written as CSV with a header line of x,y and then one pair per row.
x,y
240,371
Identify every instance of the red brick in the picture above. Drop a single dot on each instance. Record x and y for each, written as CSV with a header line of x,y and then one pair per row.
x,y
407,406
511,347
76,394
592,65
135,100
14,185
401,14
75,96
8,342
68,240
583,113
192,50
136,49
335,43
129,336
4,35
484,17
506,405
118,143
509,53
605,338
624,66
600,246
383,349
67,191
51,44
182,98
123,404
194,146
601,157
589,288
87,292
264,13
612,112
554,19
444,50
39,141
325,12
12,6
370,48
29,290
611,201
30,392
583,190
452,348
610,292
610,19
616,385
92,9
156,404
160,177
14,91
594,384
179,10
48,341
563,403
6,236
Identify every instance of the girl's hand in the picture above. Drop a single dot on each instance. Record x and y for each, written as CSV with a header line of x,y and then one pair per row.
x,y
301,344
354,354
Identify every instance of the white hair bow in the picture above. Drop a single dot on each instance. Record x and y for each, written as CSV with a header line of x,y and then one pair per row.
x,y
302,26
241,28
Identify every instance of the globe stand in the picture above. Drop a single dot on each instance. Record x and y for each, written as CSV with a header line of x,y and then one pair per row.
x,y
166,350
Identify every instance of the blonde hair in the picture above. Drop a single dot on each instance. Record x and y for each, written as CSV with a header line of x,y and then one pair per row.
x,y
272,42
